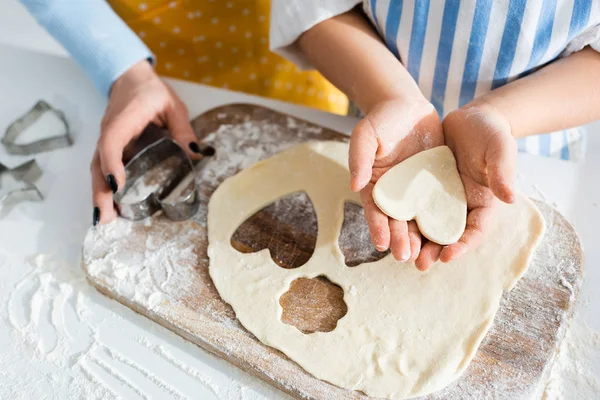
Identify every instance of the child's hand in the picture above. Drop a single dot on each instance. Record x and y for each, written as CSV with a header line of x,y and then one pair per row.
x,y
391,132
485,151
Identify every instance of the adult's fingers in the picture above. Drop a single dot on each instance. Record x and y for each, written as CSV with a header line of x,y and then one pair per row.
x,y
378,222
103,210
478,222
363,148
399,240
181,131
430,254
501,159
117,131
415,239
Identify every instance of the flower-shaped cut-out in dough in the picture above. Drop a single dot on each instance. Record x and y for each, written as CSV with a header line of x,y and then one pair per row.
x,y
427,188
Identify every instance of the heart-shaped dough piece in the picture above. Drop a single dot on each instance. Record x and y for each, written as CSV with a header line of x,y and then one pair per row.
x,y
427,188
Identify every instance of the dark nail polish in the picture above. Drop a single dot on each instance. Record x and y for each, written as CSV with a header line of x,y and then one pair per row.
x,y
96,217
112,182
195,148
204,150
208,151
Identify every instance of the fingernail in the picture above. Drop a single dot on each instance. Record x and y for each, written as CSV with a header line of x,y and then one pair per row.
x,y
405,255
208,151
194,147
96,216
112,183
204,150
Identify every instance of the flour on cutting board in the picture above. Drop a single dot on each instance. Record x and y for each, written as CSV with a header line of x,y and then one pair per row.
x,y
139,275
239,146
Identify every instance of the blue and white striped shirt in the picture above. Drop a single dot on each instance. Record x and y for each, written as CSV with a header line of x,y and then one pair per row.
x,y
457,50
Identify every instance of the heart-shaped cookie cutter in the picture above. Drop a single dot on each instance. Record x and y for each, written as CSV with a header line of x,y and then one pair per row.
x,y
176,208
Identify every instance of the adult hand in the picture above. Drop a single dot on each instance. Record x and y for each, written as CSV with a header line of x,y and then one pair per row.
x,y
481,139
391,132
137,98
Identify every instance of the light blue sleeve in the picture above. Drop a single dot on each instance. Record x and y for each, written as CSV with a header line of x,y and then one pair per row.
x,y
99,41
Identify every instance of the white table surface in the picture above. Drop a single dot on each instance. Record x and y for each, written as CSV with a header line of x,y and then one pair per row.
x,y
57,331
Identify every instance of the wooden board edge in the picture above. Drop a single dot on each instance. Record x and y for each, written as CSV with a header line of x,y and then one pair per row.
x,y
569,312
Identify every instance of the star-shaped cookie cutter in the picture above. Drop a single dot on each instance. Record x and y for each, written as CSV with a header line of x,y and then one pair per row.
x,y
22,187
15,129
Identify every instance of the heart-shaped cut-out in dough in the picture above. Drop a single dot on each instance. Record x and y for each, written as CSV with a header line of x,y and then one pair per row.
x,y
427,188
287,227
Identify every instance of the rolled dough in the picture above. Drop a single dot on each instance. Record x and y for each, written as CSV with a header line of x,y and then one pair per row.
x,y
406,333
427,188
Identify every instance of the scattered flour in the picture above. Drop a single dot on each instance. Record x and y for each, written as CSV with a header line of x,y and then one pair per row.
x,y
44,314
567,284
572,375
61,339
535,188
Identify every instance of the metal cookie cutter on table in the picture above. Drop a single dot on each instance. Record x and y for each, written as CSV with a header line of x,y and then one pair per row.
x,y
15,129
22,188
165,195
23,177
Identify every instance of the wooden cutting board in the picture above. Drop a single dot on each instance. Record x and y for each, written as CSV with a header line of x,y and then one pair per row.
x,y
512,362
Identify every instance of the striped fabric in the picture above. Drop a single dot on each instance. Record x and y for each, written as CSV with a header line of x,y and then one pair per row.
x,y
457,50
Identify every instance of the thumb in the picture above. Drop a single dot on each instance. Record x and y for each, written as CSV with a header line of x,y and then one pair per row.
x,y
116,133
363,148
501,160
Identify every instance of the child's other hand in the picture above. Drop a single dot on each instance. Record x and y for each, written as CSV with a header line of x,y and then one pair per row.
x,y
485,151
391,131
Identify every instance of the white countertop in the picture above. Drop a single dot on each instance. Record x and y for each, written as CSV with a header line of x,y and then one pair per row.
x,y
59,336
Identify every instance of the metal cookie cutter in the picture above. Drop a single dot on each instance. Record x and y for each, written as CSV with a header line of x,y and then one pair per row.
x,y
165,192
21,188
15,129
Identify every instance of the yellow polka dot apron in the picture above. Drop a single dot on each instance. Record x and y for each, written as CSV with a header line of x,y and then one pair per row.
x,y
224,43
